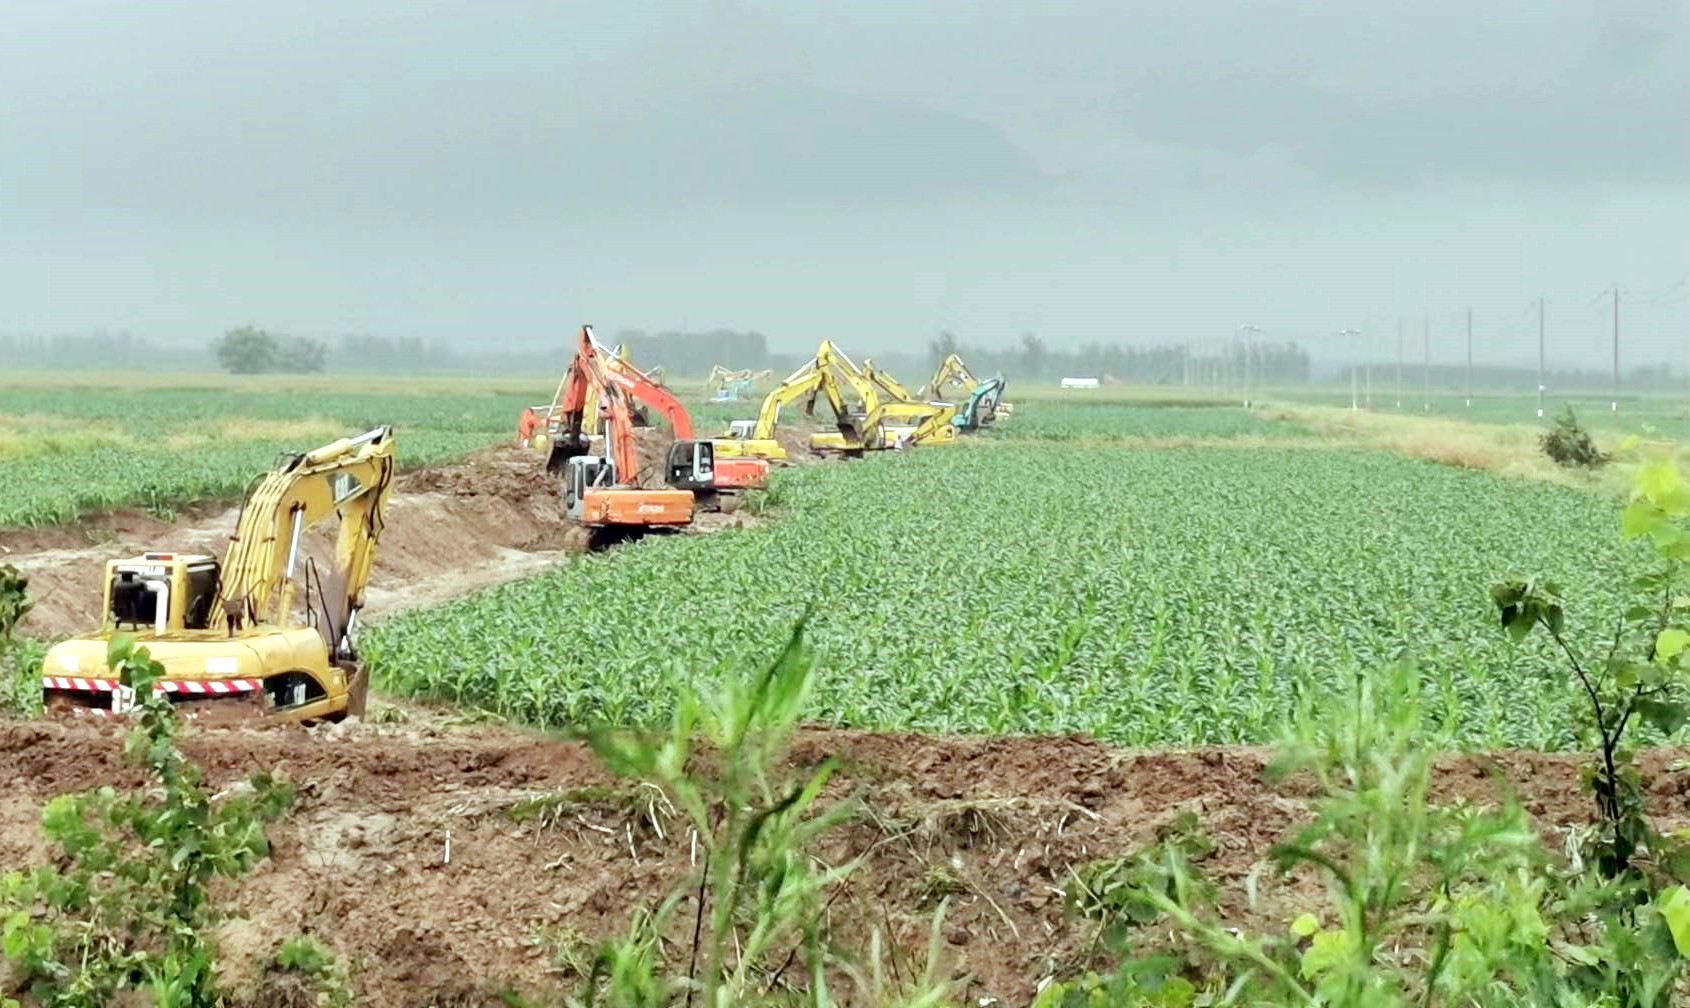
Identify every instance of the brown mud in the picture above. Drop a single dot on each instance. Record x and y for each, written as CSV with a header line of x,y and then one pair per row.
x,y
403,855
450,530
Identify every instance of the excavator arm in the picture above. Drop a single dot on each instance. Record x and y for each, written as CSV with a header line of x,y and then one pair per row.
x,y
548,419
983,405
805,382
644,389
909,423
350,477
952,372
585,399
886,386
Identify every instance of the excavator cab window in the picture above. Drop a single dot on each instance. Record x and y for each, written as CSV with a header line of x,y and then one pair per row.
x,y
136,598
692,464
583,471
202,595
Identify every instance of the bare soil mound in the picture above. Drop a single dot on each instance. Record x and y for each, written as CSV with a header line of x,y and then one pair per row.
x,y
997,824
450,530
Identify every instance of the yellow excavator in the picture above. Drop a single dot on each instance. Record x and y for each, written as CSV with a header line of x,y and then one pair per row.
x,y
893,417
952,376
882,416
756,438
953,380
265,627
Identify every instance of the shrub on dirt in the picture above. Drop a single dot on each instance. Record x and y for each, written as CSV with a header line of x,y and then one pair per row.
x,y
20,659
1425,904
1569,444
308,973
754,912
125,907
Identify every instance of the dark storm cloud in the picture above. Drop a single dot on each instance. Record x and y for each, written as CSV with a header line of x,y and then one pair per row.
x,y
1091,169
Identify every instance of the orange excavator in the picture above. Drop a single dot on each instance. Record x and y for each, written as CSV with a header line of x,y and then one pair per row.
x,y
603,492
693,465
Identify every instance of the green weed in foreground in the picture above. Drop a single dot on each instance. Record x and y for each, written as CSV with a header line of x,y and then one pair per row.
x,y
1171,597
1421,903
125,906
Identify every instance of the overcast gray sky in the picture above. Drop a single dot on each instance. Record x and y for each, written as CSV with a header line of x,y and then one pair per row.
x,y
502,170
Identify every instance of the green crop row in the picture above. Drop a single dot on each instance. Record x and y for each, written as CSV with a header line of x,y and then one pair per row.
x,y
1166,597
65,452
1103,420
53,489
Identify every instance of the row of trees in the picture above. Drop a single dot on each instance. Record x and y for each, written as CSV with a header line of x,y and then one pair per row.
x,y
1166,364
250,350
101,349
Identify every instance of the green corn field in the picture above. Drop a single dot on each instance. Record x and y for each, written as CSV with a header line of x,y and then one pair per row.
x,y
1168,597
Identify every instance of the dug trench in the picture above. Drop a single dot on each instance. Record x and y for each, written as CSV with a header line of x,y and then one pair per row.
x,y
406,850
450,530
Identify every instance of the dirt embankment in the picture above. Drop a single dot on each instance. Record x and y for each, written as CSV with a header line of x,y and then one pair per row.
x,y
997,824
450,530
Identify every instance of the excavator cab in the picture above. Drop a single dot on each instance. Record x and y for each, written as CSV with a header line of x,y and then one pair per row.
x,y
161,592
581,472
692,465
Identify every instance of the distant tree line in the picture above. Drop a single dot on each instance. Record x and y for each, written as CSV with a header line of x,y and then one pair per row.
x,y
1167,364
250,349
696,353
102,349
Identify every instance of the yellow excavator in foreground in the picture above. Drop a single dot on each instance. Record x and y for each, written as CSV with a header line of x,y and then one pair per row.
x,y
228,633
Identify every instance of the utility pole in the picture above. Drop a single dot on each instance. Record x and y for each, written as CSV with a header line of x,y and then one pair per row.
x,y
1355,402
1469,358
1614,407
1426,365
1540,358
1399,363
1247,332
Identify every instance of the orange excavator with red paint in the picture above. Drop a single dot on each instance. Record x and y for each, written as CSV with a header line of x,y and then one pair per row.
x,y
603,492
693,465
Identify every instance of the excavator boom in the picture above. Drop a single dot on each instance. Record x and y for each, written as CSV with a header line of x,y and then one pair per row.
x,y
952,374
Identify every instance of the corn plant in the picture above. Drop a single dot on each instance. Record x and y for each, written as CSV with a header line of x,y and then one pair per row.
x,y
1635,678
20,659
